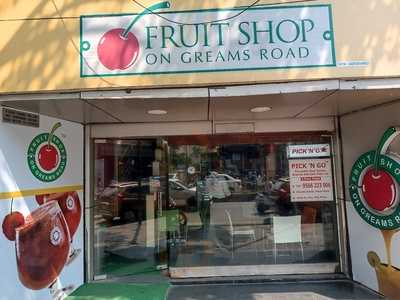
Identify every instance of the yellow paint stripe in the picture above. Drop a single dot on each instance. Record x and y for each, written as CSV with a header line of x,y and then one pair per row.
x,y
34,192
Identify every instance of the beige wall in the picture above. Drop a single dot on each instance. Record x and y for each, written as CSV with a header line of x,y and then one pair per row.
x,y
361,133
38,50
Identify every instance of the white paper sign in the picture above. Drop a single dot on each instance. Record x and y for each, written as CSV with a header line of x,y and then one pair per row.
x,y
258,39
303,151
310,180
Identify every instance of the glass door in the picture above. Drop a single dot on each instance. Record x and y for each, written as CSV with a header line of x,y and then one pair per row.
x,y
130,192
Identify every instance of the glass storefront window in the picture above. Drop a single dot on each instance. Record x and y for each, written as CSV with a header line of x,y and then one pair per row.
x,y
235,196
209,201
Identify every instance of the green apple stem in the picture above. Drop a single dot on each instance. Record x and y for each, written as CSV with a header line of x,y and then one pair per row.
x,y
388,136
149,10
55,127
11,208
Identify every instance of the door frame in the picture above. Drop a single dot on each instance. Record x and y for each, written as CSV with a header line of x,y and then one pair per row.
x,y
89,202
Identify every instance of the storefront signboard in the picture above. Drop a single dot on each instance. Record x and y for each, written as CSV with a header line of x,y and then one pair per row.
x,y
209,40
313,150
311,180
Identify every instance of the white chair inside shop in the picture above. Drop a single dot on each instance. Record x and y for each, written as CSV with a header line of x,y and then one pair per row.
x,y
287,230
250,233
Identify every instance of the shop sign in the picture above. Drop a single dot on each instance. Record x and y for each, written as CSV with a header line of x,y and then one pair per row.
x,y
260,38
47,156
374,185
302,151
310,180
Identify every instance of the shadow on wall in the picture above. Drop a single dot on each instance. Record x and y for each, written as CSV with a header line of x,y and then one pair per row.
x,y
34,55
7,248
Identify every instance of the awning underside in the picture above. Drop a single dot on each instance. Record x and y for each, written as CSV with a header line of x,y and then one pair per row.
x,y
287,101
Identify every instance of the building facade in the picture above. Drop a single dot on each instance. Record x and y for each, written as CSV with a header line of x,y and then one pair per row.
x,y
198,139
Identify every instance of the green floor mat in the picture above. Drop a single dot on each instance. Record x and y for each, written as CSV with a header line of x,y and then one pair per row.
x,y
119,291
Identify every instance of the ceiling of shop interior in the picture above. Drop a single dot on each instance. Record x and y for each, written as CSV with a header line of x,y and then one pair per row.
x,y
285,105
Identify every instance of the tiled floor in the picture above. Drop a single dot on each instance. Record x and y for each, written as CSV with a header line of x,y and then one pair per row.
x,y
317,290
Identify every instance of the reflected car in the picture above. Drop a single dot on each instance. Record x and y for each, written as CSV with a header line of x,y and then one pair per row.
x,y
123,201
126,201
276,199
234,184
183,196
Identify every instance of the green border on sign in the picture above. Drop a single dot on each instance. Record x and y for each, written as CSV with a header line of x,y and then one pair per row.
x,y
364,162
38,141
332,39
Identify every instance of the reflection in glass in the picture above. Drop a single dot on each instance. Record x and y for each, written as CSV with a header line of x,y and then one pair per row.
x,y
204,201
232,194
126,207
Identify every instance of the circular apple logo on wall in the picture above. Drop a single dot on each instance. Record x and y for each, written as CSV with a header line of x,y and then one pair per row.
x,y
47,156
118,48
374,184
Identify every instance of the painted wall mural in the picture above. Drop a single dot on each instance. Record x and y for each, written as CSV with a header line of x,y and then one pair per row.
x,y
374,191
41,193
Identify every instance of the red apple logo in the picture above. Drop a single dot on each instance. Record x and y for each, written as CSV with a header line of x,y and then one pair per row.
x,y
374,184
379,190
117,51
378,187
48,157
118,48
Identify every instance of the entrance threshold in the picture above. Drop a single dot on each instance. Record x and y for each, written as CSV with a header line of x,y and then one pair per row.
x,y
256,270
317,290
258,279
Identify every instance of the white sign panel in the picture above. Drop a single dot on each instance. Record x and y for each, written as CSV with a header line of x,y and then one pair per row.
x,y
41,210
310,180
195,41
303,151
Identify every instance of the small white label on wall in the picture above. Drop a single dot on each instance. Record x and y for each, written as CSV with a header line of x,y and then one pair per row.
x,y
353,64
310,180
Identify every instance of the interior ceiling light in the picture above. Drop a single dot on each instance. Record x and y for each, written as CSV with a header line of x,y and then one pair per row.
x,y
260,109
157,112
